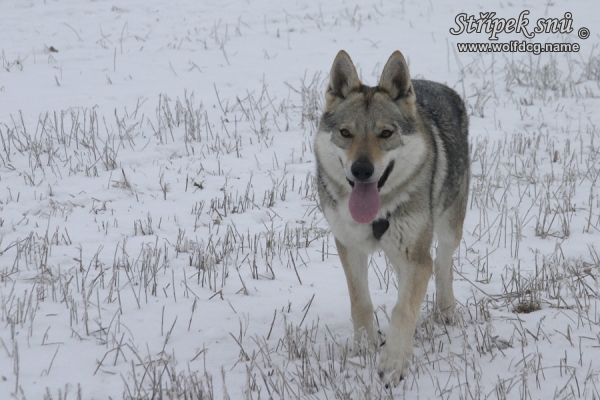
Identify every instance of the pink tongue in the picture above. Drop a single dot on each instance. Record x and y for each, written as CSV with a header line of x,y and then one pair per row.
x,y
364,202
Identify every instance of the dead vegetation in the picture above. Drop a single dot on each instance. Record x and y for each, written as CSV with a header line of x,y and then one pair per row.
x,y
138,262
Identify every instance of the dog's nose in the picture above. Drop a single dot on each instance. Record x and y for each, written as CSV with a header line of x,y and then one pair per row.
x,y
362,170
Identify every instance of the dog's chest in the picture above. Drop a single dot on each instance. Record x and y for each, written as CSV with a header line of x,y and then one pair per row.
x,y
349,232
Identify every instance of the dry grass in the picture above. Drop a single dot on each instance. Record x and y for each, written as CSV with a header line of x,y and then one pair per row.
x,y
223,218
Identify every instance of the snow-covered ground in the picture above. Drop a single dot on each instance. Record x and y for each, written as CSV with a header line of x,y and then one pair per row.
x,y
159,233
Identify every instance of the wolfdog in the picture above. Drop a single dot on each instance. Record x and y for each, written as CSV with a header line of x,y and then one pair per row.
x,y
393,168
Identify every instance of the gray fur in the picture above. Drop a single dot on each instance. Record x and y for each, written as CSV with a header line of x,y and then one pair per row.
x,y
442,107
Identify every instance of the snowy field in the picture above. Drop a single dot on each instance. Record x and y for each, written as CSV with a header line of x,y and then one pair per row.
x,y
159,233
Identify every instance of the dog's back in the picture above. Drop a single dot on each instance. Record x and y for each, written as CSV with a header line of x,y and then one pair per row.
x,y
443,108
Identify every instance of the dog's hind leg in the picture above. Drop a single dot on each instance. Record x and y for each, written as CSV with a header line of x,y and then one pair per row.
x,y
355,265
448,230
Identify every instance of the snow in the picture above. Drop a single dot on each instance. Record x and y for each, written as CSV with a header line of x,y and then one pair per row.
x,y
159,234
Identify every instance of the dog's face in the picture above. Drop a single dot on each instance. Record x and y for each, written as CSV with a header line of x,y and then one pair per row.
x,y
370,135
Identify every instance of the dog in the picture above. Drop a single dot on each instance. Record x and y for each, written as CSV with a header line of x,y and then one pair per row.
x,y
392,169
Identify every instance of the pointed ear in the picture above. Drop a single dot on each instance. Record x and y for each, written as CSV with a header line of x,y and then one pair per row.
x,y
395,79
343,78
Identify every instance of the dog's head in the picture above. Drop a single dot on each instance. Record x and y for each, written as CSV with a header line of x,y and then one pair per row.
x,y
372,131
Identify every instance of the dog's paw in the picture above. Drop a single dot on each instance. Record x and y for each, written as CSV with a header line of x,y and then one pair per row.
x,y
393,364
445,313
363,347
365,342
360,349
445,318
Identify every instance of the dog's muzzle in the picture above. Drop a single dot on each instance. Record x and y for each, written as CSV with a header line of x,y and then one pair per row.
x,y
383,178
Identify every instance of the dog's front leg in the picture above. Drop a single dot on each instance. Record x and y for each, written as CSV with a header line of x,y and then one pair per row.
x,y
355,265
413,268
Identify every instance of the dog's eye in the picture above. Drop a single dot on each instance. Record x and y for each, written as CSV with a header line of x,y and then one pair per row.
x,y
386,134
345,133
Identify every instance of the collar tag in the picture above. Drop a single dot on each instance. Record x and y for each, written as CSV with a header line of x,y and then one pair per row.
x,y
380,227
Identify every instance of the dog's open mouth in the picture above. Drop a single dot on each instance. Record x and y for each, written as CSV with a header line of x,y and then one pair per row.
x,y
364,200
385,175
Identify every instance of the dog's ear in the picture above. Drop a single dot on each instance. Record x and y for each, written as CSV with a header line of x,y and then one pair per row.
x,y
343,78
395,79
